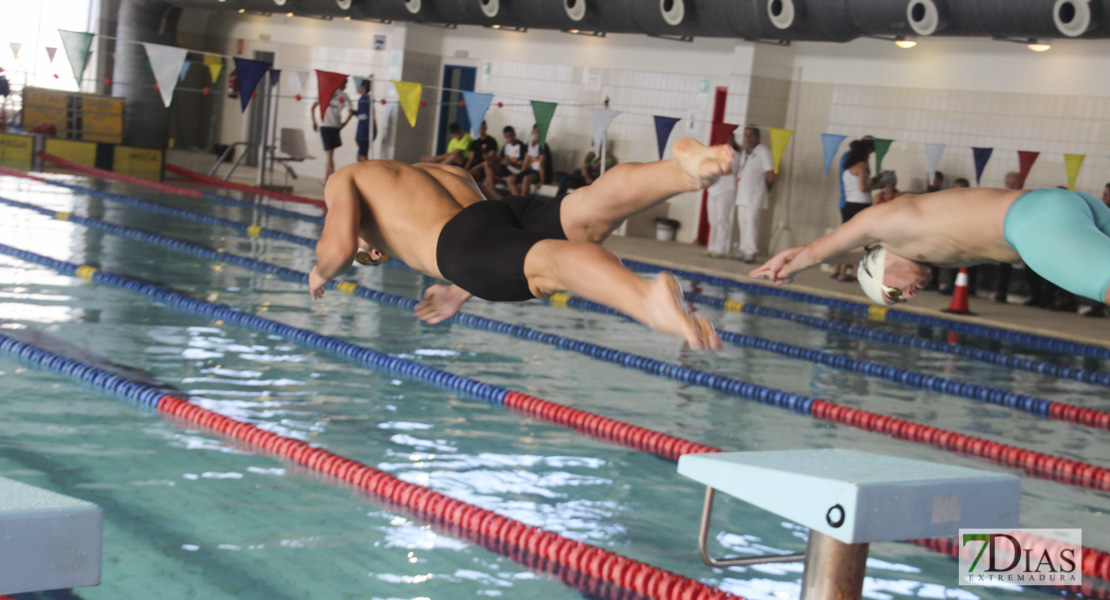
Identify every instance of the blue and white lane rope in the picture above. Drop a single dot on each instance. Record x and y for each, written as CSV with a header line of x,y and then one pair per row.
x,y
1042,465
1030,404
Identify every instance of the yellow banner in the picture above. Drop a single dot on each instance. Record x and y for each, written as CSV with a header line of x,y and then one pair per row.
x,y
1073,162
79,152
779,139
16,151
409,93
139,162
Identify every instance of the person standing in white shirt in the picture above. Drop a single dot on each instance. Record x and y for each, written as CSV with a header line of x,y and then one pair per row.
x,y
757,175
719,202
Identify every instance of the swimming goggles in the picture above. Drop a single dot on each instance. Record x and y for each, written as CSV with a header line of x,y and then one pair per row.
x,y
362,257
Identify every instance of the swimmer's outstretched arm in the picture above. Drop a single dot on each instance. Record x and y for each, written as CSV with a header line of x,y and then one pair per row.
x,y
844,245
339,240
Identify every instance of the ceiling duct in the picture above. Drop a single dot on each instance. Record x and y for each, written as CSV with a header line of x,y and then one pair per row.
x,y
1073,18
800,20
926,17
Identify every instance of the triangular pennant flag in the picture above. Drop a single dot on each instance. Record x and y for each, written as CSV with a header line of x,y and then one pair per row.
x,y
932,160
184,70
476,107
1026,159
249,72
296,81
831,143
166,62
881,147
409,95
50,52
327,83
15,49
543,112
981,156
602,118
720,133
779,139
358,81
1073,162
76,44
215,64
663,127
275,77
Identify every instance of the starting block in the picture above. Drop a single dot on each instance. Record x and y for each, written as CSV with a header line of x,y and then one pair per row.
x,y
47,541
849,499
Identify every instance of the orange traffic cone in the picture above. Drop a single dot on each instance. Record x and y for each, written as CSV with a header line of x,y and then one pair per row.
x,y
959,295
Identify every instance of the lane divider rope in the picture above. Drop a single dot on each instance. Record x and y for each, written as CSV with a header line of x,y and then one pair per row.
x,y
629,573
1030,404
1038,464
232,185
1095,563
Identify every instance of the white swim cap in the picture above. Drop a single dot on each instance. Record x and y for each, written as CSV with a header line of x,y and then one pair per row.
x,y
870,276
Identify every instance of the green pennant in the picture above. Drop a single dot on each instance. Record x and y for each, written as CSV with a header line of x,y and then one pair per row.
x,y
543,111
881,146
77,44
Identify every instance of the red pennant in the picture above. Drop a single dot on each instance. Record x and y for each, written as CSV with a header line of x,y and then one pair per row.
x,y
1026,158
720,133
327,83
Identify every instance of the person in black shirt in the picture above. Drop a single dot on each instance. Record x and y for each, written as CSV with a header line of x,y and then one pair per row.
x,y
483,152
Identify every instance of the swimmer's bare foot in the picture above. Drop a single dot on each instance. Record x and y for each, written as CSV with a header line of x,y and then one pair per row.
x,y
666,313
702,164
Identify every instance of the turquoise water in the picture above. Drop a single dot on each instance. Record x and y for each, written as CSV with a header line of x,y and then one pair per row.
x,y
190,515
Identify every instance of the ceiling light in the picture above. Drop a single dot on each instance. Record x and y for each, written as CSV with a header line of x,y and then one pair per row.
x,y
242,10
1038,46
905,42
289,14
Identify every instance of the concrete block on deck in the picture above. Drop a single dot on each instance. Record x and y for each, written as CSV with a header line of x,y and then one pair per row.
x,y
47,541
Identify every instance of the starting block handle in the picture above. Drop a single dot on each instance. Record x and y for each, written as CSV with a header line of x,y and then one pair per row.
x,y
703,538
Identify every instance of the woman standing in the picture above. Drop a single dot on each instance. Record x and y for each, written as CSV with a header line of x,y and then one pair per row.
x,y
855,190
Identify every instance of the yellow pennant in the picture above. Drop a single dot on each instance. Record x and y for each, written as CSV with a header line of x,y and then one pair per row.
x,y
779,139
409,93
1073,162
215,64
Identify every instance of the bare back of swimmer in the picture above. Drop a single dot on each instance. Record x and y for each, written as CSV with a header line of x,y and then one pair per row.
x,y
435,218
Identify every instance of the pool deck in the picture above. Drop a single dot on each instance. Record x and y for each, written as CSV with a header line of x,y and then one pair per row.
x,y
677,255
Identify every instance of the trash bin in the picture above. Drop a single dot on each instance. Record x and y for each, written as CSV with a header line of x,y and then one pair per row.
x,y
665,229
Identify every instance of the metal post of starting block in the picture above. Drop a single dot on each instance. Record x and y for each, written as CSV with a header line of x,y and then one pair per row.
x,y
848,500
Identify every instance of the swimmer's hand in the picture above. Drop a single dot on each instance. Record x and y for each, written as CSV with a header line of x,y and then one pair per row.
x,y
773,269
440,303
316,283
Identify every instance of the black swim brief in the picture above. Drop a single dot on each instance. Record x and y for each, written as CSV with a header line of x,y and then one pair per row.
x,y
482,248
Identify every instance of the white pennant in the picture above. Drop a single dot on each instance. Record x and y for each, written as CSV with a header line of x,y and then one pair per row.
x,y
602,118
295,81
932,156
15,49
166,61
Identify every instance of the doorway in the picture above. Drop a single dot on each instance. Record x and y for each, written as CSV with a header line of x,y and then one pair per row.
x,y
456,79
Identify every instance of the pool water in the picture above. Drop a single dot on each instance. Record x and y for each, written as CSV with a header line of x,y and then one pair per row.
x,y
191,515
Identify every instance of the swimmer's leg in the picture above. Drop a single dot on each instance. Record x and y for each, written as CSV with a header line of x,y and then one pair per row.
x,y
591,213
594,273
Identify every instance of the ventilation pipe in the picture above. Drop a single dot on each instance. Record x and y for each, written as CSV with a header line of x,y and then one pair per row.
x,y
577,10
927,17
674,11
147,124
490,8
1073,18
785,14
